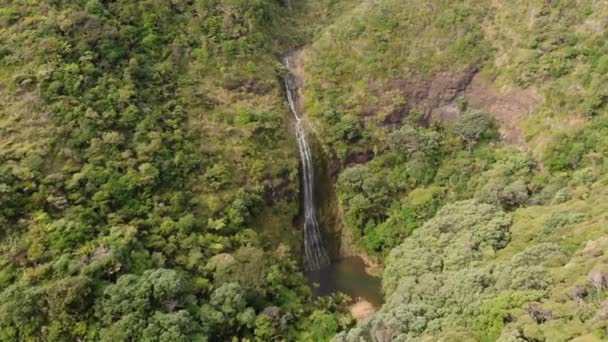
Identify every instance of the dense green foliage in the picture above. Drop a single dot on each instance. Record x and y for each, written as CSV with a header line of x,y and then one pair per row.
x,y
402,186
480,240
145,144
149,174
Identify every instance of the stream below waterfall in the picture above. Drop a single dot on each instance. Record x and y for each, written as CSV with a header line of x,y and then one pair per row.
x,y
346,275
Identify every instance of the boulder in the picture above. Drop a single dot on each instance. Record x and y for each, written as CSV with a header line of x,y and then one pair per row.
x,y
539,314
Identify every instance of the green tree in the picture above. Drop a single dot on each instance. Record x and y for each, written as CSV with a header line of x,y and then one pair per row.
x,y
472,126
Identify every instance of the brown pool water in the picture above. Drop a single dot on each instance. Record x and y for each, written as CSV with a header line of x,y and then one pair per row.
x,y
348,276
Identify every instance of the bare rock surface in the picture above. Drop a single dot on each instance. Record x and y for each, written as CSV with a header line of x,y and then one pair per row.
x,y
508,107
598,278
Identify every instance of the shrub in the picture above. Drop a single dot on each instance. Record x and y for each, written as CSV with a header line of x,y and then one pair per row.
x,y
473,126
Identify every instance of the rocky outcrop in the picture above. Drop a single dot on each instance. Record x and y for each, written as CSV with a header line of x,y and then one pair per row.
x,y
509,107
539,314
433,96
598,279
579,293
443,96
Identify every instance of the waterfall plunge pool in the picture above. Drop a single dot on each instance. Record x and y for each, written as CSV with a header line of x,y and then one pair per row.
x,y
348,276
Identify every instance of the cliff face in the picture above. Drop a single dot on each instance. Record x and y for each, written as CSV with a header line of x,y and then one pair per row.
x,y
442,96
470,146
324,179
336,237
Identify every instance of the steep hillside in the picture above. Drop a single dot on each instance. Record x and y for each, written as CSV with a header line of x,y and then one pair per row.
x,y
470,138
149,179
149,183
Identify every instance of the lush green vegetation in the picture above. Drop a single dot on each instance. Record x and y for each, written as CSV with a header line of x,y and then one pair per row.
x,y
404,185
149,176
480,240
144,144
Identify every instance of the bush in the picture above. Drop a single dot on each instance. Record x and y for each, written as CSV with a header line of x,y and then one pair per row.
x,y
474,126
458,235
364,197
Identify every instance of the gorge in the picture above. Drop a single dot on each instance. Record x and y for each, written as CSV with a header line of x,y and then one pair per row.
x,y
168,175
346,274
314,251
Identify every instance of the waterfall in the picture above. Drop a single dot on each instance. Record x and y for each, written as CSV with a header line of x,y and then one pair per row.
x,y
315,256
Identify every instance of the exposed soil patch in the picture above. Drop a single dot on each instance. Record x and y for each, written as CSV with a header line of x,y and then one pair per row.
x,y
433,96
361,309
508,108
436,97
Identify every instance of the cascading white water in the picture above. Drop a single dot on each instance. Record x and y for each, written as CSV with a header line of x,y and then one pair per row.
x,y
314,251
